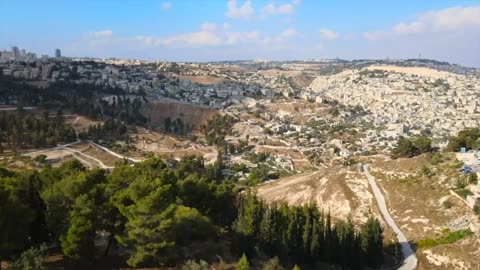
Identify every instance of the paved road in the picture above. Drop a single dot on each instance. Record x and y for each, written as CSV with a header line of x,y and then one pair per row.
x,y
410,260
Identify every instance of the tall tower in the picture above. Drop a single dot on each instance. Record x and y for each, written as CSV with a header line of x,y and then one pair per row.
x,y
15,52
58,53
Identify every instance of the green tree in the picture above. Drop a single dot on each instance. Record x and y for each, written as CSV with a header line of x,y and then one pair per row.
x,y
424,144
372,242
149,212
78,243
243,263
405,148
296,267
16,215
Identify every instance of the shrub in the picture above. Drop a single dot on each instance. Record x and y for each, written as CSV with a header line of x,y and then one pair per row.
x,y
463,193
192,265
447,204
31,259
273,264
243,263
476,208
449,238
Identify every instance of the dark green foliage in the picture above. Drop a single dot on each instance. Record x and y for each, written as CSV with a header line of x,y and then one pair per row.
x,y
304,235
217,128
84,99
16,215
177,126
155,209
468,138
424,144
109,130
372,242
20,130
405,148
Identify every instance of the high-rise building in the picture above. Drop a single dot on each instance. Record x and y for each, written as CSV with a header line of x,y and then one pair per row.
x,y
15,52
58,53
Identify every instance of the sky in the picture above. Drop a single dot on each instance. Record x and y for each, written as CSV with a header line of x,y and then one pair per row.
x,y
217,30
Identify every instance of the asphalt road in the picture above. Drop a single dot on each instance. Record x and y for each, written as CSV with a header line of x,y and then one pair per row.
x,y
410,260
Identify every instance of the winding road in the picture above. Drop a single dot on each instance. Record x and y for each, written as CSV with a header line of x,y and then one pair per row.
x,y
410,260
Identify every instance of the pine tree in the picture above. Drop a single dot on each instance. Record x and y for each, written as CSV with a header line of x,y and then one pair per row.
x,y
372,242
243,263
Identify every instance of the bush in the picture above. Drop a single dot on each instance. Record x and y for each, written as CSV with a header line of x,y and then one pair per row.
x,y
273,264
476,208
192,265
31,259
473,178
447,204
40,158
463,193
449,238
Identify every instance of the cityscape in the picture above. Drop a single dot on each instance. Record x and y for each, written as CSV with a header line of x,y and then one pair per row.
x,y
169,155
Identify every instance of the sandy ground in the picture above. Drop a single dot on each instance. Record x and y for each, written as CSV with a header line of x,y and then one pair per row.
x,y
420,71
416,205
345,193
169,146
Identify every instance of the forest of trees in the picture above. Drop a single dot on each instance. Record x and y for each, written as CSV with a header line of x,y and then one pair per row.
x,y
20,130
217,128
303,234
110,130
157,208
177,126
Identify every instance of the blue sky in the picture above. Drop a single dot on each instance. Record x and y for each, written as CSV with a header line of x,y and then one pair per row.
x,y
206,30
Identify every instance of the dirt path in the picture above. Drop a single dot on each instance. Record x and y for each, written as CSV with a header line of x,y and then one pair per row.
x,y
410,260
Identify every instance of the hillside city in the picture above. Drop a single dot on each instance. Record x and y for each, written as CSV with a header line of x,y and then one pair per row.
x,y
385,147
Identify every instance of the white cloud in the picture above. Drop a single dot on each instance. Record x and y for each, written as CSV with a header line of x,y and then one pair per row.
x,y
166,5
449,19
414,27
244,11
272,9
328,34
287,33
233,38
208,27
101,34
453,18
209,35
375,35
296,2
